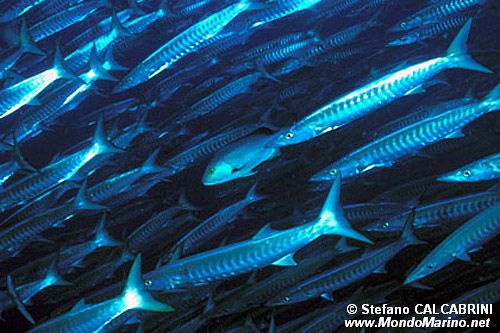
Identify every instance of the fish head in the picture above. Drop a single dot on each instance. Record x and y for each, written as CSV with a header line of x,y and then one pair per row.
x,y
331,172
132,79
218,172
428,266
293,297
407,24
463,175
394,225
291,136
405,40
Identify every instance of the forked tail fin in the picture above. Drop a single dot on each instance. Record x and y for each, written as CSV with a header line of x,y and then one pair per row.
x,y
136,297
458,51
331,218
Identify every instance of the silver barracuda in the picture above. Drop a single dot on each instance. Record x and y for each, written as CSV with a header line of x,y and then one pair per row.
x,y
378,93
266,248
385,151
185,43
466,239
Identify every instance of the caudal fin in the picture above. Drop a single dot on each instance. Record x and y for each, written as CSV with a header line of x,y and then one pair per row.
x,y
332,220
252,195
62,70
408,236
492,100
26,43
102,237
101,140
15,297
149,166
458,51
53,278
135,297
97,67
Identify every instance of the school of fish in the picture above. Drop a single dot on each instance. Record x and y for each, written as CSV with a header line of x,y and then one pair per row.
x,y
245,165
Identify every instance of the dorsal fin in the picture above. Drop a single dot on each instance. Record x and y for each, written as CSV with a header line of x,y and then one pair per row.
x,y
80,305
265,232
82,201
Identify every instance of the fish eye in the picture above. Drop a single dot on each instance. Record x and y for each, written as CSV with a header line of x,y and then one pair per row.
x,y
289,135
148,283
211,171
430,266
333,171
402,24
385,225
286,299
467,173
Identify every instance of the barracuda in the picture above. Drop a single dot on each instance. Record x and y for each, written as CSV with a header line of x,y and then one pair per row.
x,y
385,151
65,19
280,9
100,29
466,239
10,10
78,59
18,236
441,213
374,95
25,45
183,44
487,168
16,96
93,317
339,277
63,99
430,31
436,13
22,294
53,174
257,294
211,226
266,248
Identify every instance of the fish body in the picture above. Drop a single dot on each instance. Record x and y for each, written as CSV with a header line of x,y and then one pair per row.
x,y
378,93
211,226
266,248
92,318
280,9
16,96
440,213
10,10
436,13
35,184
468,238
239,159
185,43
220,96
385,151
202,150
430,31
339,277
63,20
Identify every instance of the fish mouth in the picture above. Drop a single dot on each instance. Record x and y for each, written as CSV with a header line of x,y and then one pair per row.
x,y
393,43
445,178
322,177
